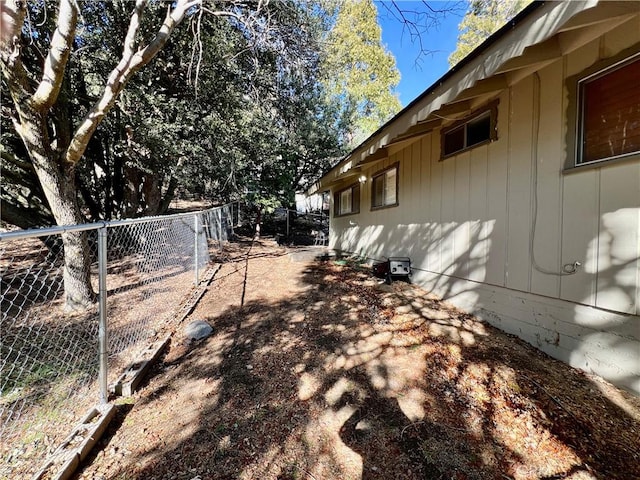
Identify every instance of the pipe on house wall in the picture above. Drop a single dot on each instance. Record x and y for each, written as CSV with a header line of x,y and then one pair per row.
x,y
569,268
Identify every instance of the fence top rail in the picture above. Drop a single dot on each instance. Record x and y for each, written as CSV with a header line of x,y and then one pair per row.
x,y
136,221
44,232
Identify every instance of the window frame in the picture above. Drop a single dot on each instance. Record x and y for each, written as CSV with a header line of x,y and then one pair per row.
x,y
355,200
581,110
491,110
574,111
379,174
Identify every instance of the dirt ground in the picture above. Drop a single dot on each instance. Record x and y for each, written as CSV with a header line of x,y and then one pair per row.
x,y
316,371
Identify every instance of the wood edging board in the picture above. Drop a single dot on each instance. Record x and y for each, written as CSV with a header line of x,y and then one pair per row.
x,y
127,383
78,444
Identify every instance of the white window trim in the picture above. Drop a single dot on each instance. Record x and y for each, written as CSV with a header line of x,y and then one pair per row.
x,y
338,210
346,196
383,173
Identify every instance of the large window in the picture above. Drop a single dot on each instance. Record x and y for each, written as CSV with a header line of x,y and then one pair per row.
x,y
347,201
609,113
477,130
384,188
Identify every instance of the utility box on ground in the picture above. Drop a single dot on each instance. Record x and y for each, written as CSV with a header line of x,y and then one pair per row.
x,y
394,267
399,266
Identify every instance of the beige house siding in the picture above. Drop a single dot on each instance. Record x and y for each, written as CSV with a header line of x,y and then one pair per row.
x,y
466,223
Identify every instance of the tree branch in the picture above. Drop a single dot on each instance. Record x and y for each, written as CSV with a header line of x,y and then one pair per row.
x,y
12,159
25,215
129,64
58,56
12,16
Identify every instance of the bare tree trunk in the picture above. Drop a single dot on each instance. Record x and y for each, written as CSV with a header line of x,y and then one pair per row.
x,y
55,156
151,194
168,196
59,185
56,176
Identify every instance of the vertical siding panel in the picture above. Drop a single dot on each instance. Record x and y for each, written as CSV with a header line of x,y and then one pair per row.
x,y
425,177
461,215
408,206
392,217
416,214
400,217
404,212
365,200
478,231
424,238
417,210
519,190
619,238
378,217
549,143
434,262
402,243
391,221
447,221
497,176
416,187
580,235
404,157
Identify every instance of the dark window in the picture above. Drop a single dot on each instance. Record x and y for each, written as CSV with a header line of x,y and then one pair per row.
x,y
609,118
347,201
469,133
479,130
384,189
454,140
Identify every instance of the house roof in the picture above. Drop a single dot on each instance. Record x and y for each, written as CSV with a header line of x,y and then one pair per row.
x,y
539,35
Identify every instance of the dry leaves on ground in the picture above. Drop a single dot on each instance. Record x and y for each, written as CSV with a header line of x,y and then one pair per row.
x,y
317,371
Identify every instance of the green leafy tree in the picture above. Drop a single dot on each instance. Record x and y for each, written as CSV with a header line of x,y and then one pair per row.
x,y
277,132
256,118
482,19
42,106
360,74
60,103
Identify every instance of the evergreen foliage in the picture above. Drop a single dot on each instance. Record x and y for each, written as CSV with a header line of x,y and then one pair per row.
x,y
482,19
360,74
257,119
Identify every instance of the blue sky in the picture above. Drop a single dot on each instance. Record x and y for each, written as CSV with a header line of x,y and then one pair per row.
x,y
418,72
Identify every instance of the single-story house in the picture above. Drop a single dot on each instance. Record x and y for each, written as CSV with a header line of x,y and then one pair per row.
x,y
513,184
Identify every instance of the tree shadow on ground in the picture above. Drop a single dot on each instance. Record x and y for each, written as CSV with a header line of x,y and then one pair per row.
x,y
342,378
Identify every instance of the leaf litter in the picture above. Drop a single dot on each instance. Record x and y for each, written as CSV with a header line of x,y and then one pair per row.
x,y
316,370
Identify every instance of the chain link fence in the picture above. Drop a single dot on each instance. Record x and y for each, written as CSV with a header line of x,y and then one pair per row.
x,y
50,359
297,228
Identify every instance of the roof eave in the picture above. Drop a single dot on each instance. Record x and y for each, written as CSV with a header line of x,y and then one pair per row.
x,y
540,34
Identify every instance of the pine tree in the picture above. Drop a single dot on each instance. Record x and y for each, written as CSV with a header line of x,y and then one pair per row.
x,y
360,73
482,19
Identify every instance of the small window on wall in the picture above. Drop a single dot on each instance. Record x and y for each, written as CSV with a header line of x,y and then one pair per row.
x,y
609,113
347,201
384,188
463,135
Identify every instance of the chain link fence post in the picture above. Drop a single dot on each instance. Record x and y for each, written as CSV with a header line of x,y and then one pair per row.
x,y
231,219
288,229
195,246
219,219
103,333
54,364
